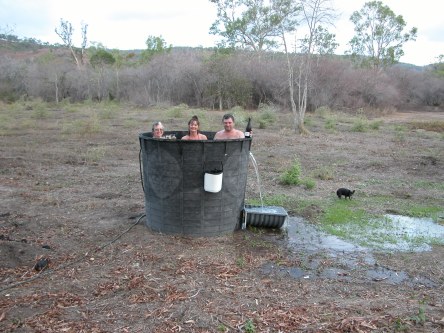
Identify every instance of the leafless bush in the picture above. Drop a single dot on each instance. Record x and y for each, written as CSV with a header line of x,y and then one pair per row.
x,y
211,79
418,88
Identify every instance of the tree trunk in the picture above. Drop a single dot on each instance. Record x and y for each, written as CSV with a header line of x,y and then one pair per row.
x,y
75,57
56,82
298,112
219,93
302,106
117,85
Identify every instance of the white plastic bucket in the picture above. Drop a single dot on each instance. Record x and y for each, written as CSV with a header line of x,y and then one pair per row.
x,y
213,181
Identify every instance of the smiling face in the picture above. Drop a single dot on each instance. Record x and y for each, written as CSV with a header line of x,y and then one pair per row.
x,y
193,126
157,131
228,124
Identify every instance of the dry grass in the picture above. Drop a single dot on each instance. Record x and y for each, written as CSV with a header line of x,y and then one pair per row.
x,y
433,126
79,192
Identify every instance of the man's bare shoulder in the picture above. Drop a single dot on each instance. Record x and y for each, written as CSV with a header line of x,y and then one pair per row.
x,y
240,134
220,132
234,134
219,135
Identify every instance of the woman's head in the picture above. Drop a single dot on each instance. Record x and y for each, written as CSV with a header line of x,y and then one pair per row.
x,y
157,129
193,124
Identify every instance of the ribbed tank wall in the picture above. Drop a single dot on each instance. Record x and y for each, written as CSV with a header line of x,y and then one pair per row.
x,y
173,180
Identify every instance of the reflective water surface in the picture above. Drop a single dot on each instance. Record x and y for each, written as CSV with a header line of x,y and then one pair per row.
x,y
325,256
406,234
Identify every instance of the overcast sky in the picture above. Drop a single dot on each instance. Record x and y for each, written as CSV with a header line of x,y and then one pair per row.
x,y
126,24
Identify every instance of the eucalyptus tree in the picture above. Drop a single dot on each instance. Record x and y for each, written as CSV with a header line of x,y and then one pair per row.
x,y
252,24
154,45
65,31
438,67
226,86
52,76
379,36
317,41
118,64
100,60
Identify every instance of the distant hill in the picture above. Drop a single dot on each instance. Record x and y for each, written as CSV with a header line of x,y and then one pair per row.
x,y
32,47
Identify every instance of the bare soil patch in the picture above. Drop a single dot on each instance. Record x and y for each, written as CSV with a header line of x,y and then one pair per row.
x,y
75,197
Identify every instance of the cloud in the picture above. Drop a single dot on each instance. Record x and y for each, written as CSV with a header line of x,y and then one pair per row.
x,y
127,24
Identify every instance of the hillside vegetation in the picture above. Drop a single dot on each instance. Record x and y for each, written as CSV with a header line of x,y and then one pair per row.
x,y
206,78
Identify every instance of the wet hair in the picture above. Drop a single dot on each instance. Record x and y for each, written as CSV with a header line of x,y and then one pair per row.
x,y
157,123
228,116
193,118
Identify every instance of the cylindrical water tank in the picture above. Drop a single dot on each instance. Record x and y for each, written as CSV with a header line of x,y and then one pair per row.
x,y
173,181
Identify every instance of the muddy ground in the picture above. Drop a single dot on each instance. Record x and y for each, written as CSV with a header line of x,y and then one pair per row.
x,y
70,191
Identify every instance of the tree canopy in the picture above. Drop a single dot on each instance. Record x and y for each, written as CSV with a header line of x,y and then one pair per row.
x,y
253,24
154,45
101,58
379,35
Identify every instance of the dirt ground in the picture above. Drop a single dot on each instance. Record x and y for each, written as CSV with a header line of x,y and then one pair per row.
x,y
70,192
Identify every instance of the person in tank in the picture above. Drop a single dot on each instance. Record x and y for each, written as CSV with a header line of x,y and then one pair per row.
x,y
158,130
229,132
193,130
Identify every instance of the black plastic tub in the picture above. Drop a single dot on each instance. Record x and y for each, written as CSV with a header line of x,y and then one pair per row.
x,y
266,216
173,173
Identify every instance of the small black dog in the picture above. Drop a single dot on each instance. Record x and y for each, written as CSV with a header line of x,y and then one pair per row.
x,y
344,192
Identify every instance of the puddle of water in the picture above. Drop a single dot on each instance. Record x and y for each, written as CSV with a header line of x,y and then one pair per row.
x,y
407,234
326,256
308,237
392,233
395,277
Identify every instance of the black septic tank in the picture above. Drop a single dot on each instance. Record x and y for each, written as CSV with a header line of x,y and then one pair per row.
x,y
177,199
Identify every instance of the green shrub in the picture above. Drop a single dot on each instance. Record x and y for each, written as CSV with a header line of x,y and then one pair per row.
x,y
375,125
324,173
38,107
323,111
309,183
267,115
249,326
400,133
108,112
330,123
262,124
237,110
359,125
5,121
177,111
292,176
94,154
83,126
40,113
308,121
